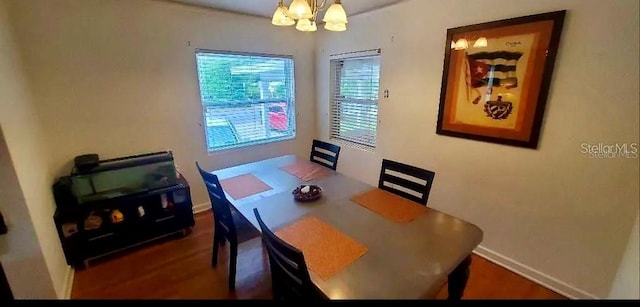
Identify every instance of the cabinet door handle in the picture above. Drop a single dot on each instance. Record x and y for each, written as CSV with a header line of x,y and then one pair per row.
x,y
102,236
165,218
161,190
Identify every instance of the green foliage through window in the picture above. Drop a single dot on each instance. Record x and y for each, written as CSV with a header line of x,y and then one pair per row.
x,y
238,90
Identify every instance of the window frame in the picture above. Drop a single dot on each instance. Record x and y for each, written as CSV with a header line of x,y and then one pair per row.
x,y
290,104
335,124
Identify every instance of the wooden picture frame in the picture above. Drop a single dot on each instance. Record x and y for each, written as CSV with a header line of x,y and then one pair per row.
x,y
496,79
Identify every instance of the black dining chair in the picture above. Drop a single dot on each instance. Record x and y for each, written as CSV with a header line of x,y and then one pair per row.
x,y
416,188
224,223
290,277
325,154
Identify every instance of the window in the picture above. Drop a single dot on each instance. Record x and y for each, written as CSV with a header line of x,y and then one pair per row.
x,y
247,99
354,101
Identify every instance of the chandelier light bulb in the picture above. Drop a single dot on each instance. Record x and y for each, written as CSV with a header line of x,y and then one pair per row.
x,y
335,13
313,27
306,25
300,9
281,18
336,27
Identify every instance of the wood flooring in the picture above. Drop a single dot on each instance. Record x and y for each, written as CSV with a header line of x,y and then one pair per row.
x,y
180,268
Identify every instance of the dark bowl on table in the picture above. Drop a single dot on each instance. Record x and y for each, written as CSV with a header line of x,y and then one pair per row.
x,y
314,192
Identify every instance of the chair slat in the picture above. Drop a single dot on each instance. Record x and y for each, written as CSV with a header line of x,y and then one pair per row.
x,y
333,160
409,170
324,156
404,183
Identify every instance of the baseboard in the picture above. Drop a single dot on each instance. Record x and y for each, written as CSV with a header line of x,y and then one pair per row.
x,y
533,274
201,208
68,284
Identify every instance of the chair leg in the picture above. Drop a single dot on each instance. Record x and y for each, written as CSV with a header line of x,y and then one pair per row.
x,y
233,257
216,245
222,237
458,279
276,290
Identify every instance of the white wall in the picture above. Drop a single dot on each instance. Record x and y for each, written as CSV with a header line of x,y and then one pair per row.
x,y
30,253
552,213
20,251
118,77
626,285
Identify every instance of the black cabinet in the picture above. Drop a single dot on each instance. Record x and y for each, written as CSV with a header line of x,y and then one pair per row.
x,y
97,225
97,229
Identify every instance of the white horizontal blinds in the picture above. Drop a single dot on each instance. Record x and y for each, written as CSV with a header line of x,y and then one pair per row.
x,y
247,98
354,103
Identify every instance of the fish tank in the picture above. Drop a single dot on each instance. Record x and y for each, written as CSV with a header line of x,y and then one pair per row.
x,y
124,176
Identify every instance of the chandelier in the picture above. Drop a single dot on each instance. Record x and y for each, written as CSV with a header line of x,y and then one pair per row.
x,y
306,14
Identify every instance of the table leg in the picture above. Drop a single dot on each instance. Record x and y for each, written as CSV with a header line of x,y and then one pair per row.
x,y
458,279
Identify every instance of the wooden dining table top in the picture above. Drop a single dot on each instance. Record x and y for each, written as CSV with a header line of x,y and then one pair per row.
x,y
403,261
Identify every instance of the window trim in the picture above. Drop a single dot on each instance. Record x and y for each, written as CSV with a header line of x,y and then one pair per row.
x,y
332,94
292,97
243,53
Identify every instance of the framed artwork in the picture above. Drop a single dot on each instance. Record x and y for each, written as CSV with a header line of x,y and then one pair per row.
x,y
496,78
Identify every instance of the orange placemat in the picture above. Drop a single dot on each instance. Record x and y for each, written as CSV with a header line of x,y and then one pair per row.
x,y
244,185
389,205
306,170
326,250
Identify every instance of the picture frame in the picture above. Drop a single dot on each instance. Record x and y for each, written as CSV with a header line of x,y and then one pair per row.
x,y
496,79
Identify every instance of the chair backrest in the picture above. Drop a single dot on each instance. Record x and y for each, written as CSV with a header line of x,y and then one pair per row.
x,y
411,182
289,274
220,205
325,154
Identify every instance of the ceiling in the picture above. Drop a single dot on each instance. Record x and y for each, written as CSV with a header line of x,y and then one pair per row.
x,y
265,8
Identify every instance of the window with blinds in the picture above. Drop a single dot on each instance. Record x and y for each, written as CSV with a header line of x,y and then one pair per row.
x,y
247,99
354,101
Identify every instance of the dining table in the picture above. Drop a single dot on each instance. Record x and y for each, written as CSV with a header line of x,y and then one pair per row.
x,y
411,260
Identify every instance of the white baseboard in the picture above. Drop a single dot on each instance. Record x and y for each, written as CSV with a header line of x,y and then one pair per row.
x,y
68,283
533,274
201,207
